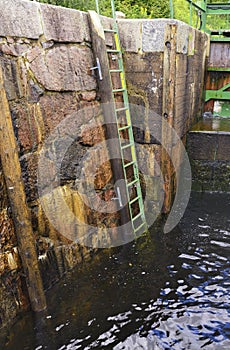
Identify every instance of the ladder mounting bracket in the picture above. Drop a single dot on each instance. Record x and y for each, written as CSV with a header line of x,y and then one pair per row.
x,y
118,197
98,66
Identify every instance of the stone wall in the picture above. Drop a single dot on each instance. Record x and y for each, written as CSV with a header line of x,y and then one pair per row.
x,y
164,57
46,59
46,55
209,152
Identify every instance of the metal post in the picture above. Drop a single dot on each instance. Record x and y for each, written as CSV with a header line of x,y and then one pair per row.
x,y
97,7
171,9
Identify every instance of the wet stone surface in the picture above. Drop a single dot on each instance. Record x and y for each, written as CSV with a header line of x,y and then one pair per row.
x,y
208,146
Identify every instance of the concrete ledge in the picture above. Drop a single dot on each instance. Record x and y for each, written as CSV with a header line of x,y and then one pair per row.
x,y
148,35
209,145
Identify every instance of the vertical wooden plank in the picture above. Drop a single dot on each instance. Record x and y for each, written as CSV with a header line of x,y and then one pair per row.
x,y
16,193
169,83
107,100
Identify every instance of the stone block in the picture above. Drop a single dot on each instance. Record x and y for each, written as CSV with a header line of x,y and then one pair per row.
x,y
202,145
20,18
64,68
223,151
14,47
72,113
64,25
153,35
211,175
90,136
130,34
211,146
182,38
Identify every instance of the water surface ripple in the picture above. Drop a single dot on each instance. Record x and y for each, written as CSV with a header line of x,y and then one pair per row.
x,y
170,292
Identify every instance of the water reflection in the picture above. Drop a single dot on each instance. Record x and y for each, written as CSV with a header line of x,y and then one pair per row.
x,y
170,292
213,124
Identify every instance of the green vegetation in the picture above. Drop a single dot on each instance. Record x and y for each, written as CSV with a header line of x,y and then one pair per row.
x,y
183,12
150,9
132,9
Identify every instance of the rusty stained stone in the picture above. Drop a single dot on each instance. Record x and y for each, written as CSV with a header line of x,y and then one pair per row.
x,y
88,96
64,68
97,168
103,176
57,108
26,122
90,136
46,230
67,230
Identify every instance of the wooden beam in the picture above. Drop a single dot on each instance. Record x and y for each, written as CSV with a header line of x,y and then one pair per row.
x,y
16,193
168,108
107,100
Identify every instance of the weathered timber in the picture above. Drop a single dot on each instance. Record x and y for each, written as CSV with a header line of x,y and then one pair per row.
x,y
21,215
217,75
107,100
169,81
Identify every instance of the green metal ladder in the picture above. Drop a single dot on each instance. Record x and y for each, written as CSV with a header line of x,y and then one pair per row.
x,y
127,145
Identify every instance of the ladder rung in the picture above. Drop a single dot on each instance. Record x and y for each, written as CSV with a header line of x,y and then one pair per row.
x,y
134,200
128,164
118,90
137,216
124,127
132,183
126,146
110,30
122,109
115,70
113,51
138,228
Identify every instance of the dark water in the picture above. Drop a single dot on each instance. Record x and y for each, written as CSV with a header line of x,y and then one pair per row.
x,y
170,292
